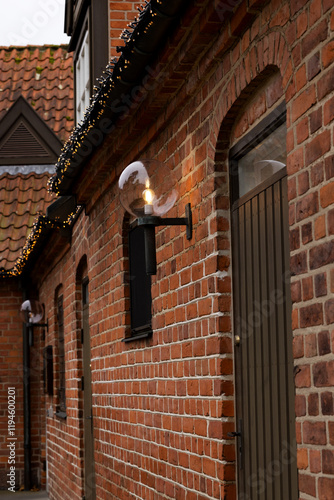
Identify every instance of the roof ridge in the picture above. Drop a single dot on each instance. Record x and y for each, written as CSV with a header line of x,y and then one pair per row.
x,y
23,176
22,47
30,201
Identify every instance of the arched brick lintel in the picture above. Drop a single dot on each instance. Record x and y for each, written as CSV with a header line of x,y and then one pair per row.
x,y
81,259
261,60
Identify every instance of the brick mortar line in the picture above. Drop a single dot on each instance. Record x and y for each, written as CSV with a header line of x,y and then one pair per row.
x,y
192,282
217,355
175,397
223,419
175,433
311,189
311,362
303,391
172,325
319,300
53,449
309,83
316,418
162,495
180,415
175,466
212,236
308,168
218,461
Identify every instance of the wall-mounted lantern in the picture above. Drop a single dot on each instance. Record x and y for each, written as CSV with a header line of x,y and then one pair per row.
x,y
32,312
148,190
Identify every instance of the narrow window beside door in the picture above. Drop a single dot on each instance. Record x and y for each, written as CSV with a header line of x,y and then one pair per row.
x,y
140,287
61,408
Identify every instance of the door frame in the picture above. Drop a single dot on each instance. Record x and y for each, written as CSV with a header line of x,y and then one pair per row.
x,y
246,443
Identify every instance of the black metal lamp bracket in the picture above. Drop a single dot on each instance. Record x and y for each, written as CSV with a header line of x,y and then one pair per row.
x,y
41,325
152,220
149,222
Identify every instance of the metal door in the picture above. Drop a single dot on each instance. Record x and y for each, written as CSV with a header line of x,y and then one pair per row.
x,y
89,465
266,457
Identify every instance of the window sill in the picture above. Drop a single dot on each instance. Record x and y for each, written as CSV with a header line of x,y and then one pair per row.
x,y
61,414
138,336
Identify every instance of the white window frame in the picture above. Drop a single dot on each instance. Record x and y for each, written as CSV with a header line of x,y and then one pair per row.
x,y
82,78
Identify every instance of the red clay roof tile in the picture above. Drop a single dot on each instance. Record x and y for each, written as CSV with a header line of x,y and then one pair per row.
x,y
22,198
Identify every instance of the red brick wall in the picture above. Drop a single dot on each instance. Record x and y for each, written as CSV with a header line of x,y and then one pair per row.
x,y
311,188
121,14
307,79
11,375
162,407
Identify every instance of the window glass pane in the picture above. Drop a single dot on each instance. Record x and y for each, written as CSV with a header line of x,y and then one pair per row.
x,y
61,355
82,78
263,160
140,283
85,294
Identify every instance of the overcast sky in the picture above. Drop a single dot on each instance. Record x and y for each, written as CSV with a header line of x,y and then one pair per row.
x,y
32,22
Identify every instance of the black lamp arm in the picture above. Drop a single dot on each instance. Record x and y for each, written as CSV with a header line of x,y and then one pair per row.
x,y
149,222
152,220
41,325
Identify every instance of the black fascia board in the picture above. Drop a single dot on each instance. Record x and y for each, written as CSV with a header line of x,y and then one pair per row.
x,y
68,19
142,46
76,15
41,242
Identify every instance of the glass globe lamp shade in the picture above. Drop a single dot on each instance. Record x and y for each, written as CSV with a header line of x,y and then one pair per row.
x,y
32,311
148,187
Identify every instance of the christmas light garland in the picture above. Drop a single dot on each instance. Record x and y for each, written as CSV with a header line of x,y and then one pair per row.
x,y
101,96
40,224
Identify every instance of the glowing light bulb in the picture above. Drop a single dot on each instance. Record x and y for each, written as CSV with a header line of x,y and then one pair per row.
x,y
148,195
